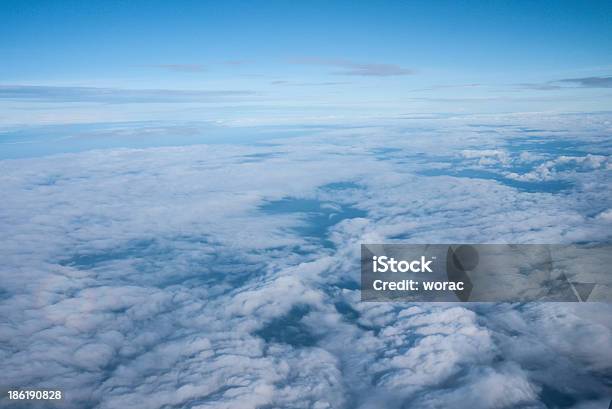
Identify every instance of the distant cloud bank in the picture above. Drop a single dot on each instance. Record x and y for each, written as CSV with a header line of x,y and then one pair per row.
x,y
45,93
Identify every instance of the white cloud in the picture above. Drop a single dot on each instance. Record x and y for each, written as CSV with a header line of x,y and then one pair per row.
x,y
145,278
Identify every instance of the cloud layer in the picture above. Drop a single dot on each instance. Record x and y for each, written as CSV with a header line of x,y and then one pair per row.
x,y
225,276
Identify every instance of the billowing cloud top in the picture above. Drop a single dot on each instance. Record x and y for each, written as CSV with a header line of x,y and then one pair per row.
x,y
225,276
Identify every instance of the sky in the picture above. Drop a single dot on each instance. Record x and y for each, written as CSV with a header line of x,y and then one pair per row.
x,y
186,186
70,61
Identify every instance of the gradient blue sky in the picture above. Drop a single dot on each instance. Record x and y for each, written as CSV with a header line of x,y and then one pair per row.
x,y
300,59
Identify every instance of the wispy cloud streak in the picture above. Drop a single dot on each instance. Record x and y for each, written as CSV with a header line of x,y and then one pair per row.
x,y
359,69
180,67
43,93
571,83
590,82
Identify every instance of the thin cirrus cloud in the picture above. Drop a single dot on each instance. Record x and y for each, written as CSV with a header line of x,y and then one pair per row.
x,y
180,67
42,93
547,86
572,83
590,82
347,67
309,84
196,67
237,62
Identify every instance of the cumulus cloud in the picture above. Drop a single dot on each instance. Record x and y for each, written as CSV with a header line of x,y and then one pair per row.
x,y
224,276
553,169
487,156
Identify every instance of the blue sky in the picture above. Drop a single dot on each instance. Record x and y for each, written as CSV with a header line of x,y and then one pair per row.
x,y
301,59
